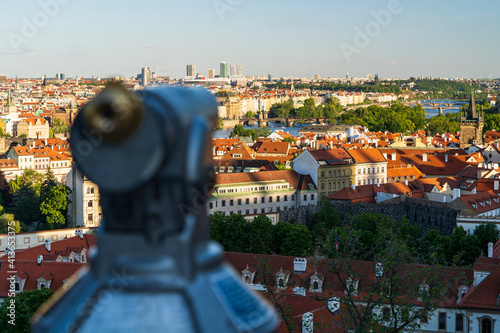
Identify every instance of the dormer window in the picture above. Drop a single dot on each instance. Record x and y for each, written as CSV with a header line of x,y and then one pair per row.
x,y
462,290
423,292
316,284
352,287
44,281
20,281
282,278
248,274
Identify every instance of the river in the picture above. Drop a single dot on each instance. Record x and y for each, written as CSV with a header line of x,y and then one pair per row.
x,y
224,133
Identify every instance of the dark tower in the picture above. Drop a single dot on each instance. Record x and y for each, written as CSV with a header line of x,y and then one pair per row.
x,y
471,126
376,80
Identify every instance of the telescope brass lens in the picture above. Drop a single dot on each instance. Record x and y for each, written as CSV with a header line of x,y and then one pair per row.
x,y
115,113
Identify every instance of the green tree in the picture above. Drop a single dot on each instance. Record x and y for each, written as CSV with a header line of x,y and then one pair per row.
x,y
297,240
485,233
26,304
323,222
289,139
465,248
249,114
261,233
6,221
58,126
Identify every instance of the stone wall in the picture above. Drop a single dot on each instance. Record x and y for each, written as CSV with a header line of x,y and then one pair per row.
x,y
421,212
7,143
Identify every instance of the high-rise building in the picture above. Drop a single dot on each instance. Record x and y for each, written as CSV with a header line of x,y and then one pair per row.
x,y
146,76
62,76
317,77
347,76
223,69
211,73
191,70
240,70
233,70
57,76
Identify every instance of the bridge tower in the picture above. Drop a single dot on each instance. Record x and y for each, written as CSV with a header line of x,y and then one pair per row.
x,y
471,126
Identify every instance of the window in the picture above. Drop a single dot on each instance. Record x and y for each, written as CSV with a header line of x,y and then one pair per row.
x,y
322,186
247,201
40,239
278,198
210,205
262,200
263,211
239,212
16,286
425,318
442,321
231,212
285,198
293,197
270,199
329,173
485,326
90,217
89,204
315,285
223,203
255,211
305,197
459,322
255,200
322,174
26,240
231,202
312,196
239,202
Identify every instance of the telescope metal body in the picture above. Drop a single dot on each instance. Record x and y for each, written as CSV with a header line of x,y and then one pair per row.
x,y
155,269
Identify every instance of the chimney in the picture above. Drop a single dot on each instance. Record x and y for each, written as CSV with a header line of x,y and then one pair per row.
x,y
299,264
40,259
456,193
406,182
490,250
79,233
424,157
47,245
308,323
495,185
353,187
393,156
213,150
446,158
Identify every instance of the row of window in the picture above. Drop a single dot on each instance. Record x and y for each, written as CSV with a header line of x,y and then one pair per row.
x,y
335,185
231,202
371,181
254,188
370,170
255,211
337,173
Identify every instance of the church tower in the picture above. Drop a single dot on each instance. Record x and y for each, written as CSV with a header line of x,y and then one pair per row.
x,y
471,126
9,107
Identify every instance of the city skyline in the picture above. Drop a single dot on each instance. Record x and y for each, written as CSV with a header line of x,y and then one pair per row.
x,y
396,39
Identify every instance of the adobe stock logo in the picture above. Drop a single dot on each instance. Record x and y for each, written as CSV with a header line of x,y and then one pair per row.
x,y
221,7
372,29
31,27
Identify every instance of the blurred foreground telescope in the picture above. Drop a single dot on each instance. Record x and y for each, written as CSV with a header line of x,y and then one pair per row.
x,y
156,269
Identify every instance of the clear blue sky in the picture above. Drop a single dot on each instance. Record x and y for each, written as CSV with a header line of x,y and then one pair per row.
x,y
445,38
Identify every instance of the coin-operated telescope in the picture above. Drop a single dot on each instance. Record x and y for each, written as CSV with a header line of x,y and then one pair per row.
x,y
155,269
